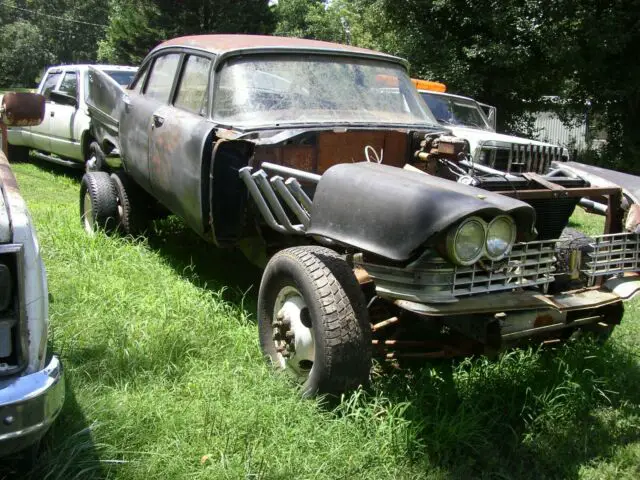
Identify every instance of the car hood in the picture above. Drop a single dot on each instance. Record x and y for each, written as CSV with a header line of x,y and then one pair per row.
x,y
477,136
5,220
393,213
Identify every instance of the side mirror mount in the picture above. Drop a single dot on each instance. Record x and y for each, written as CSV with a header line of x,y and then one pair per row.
x,y
63,98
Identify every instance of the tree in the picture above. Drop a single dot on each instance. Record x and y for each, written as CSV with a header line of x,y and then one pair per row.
x,y
309,19
137,26
22,54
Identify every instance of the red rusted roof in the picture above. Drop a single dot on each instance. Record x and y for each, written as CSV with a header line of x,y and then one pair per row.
x,y
227,43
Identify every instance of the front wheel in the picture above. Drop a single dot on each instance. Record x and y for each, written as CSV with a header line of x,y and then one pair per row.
x,y
312,320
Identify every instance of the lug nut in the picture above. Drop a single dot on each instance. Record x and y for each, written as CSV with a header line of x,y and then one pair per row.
x,y
276,324
276,335
289,334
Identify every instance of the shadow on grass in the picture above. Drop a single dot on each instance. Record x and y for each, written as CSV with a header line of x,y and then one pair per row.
x,y
206,265
529,414
57,170
67,451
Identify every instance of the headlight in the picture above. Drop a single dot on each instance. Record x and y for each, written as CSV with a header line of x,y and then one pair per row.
x,y
465,244
501,234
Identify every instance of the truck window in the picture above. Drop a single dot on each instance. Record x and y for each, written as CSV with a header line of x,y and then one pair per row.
x,y
161,77
193,89
50,83
70,84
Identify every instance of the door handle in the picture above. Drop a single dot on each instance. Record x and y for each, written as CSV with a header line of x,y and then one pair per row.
x,y
158,121
52,114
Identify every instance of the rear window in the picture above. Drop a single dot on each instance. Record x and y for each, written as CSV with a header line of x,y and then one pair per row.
x,y
122,77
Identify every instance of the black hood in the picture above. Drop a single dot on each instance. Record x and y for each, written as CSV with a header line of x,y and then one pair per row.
x,y
392,212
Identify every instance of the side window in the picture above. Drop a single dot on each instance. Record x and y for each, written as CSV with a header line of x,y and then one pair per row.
x,y
193,90
139,81
70,84
50,83
161,77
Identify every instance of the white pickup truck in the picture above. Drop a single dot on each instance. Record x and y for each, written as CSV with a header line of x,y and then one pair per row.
x,y
64,136
476,123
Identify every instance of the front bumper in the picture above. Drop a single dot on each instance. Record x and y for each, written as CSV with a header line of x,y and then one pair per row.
x,y
29,405
528,314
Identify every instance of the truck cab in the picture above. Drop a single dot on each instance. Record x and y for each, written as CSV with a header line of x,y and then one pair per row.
x,y
64,135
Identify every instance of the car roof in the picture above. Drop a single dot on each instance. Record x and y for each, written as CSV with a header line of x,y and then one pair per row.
x,y
228,44
84,66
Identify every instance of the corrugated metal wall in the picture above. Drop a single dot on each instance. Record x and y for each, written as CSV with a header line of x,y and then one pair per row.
x,y
551,129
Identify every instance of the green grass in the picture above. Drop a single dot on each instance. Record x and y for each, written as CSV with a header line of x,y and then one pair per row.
x,y
165,379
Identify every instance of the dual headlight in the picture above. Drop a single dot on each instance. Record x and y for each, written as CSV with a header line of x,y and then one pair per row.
x,y
474,238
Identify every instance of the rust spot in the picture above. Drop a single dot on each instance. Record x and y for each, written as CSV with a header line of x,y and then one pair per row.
x,y
543,320
362,276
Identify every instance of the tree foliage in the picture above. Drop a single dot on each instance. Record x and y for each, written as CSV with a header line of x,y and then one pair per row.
x,y
136,26
510,54
22,54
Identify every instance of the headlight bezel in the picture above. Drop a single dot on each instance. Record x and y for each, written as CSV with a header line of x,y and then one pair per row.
x,y
452,236
511,240
483,252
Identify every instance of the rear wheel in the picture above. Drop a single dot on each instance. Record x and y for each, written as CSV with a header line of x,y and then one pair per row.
x,y
313,322
98,203
96,159
132,210
18,153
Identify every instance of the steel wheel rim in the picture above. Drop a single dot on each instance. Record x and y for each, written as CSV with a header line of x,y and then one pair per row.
x,y
293,335
87,217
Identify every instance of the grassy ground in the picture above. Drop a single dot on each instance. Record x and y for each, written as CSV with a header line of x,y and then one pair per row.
x,y
165,380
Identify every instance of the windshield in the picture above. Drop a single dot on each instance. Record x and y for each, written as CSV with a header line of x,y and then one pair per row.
x,y
451,110
123,77
273,90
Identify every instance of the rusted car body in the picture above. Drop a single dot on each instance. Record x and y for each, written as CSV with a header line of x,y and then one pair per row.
x,y
32,386
381,236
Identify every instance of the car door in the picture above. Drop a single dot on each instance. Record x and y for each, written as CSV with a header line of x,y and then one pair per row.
x,y
63,119
151,91
39,134
179,133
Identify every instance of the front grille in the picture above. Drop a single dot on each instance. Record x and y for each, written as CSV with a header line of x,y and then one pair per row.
x,y
431,279
518,158
529,265
612,254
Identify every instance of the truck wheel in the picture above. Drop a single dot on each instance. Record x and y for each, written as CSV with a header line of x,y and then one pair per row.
x,y
96,161
98,203
313,322
131,218
18,153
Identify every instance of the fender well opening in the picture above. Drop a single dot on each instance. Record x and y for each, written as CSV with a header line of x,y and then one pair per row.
x,y
227,193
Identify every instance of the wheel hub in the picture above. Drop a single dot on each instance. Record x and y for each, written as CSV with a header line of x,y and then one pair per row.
x,y
293,334
87,218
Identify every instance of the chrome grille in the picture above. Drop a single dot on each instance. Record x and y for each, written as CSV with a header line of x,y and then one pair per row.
x,y
519,158
612,254
433,279
528,265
